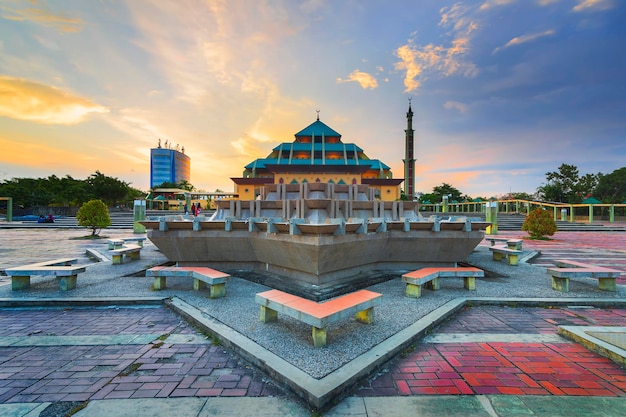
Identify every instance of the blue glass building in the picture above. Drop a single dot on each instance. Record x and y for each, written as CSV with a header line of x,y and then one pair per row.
x,y
168,165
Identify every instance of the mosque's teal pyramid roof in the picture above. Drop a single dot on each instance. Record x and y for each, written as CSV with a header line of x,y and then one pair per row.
x,y
317,129
326,149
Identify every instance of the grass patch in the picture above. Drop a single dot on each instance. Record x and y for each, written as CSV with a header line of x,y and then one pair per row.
x,y
89,237
77,408
130,369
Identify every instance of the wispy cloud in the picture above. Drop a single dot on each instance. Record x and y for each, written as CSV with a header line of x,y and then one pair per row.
x,y
455,105
518,40
494,3
41,14
365,80
28,100
593,5
439,59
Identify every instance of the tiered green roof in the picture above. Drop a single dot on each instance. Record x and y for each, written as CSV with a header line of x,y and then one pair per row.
x,y
317,145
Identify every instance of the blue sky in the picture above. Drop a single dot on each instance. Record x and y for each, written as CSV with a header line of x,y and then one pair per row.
x,y
503,91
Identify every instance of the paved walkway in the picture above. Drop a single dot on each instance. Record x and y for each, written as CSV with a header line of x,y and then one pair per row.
x,y
136,361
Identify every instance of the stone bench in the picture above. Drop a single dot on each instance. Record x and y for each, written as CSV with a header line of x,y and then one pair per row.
x,y
415,280
119,243
499,252
132,251
201,277
510,243
60,268
318,315
566,269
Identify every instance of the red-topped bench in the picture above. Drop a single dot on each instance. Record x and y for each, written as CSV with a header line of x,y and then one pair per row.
x,y
430,276
566,269
318,315
201,277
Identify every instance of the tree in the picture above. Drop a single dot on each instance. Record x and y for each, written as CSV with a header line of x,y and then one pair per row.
x,y
185,185
611,188
566,186
94,215
539,223
444,190
109,189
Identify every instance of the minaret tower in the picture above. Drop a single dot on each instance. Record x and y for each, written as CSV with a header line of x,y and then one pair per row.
x,y
409,161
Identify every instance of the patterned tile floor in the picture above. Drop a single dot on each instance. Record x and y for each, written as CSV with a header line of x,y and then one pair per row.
x,y
57,363
519,353
507,366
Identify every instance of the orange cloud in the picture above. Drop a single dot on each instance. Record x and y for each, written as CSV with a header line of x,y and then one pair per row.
x,y
439,59
28,100
365,80
32,152
43,16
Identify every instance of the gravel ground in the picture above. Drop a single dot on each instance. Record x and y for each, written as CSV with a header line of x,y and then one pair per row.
x,y
291,339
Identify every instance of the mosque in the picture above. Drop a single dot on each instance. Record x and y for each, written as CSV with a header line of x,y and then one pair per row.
x,y
318,155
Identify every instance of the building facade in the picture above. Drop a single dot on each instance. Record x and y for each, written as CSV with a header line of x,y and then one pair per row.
x,y
168,165
317,155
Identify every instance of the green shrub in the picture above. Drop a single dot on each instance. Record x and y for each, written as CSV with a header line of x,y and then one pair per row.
x,y
539,224
94,214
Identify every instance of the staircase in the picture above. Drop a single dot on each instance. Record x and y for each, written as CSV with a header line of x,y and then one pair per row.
x,y
515,221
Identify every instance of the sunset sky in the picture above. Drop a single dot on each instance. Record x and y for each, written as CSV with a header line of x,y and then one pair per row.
x,y
503,91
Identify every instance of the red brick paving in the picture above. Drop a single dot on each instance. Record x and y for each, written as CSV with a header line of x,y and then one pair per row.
x,y
512,368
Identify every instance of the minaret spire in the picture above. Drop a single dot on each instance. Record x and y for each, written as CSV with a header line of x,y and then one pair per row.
x,y
409,160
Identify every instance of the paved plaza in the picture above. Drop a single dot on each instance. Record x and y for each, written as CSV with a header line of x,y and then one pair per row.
x,y
123,357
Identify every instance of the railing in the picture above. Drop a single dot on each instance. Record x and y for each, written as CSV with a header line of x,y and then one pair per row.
x,y
562,211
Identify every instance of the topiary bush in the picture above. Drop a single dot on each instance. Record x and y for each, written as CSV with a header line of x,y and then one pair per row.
x,y
94,214
539,223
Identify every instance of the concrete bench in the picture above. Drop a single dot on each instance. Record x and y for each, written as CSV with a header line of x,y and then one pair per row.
x,y
566,269
430,277
201,277
132,251
119,243
318,315
60,268
510,243
499,252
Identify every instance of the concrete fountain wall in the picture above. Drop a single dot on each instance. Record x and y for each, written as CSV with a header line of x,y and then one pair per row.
x,y
316,239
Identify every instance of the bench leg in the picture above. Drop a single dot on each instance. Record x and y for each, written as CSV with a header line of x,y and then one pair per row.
x,y
469,283
560,284
217,290
413,290
159,283
607,284
366,316
267,314
433,284
20,283
134,255
513,259
497,256
319,337
117,259
198,285
67,283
